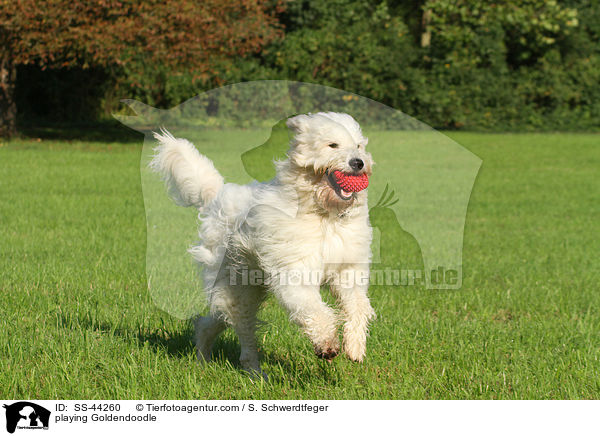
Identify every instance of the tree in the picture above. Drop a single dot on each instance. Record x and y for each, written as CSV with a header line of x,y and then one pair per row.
x,y
359,46
528,28
183,35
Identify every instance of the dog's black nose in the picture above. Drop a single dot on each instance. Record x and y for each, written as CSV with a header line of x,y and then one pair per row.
x,y
356,164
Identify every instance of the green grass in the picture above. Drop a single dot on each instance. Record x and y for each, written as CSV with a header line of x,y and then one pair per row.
x,y
77,320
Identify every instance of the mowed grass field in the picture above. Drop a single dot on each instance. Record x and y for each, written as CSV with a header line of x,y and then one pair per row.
x,y
77,319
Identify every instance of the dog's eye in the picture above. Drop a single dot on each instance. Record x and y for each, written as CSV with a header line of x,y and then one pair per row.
x,y
333,145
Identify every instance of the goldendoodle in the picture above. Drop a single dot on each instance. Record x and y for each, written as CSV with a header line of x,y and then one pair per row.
x,y
307,227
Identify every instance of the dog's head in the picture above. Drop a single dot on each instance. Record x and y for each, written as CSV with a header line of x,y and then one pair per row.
x,y
328,149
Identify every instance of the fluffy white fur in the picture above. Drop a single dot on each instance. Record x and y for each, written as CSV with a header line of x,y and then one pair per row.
x,y
297,224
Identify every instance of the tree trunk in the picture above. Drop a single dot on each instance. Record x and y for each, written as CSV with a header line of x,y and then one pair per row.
x,y
425,30
8,106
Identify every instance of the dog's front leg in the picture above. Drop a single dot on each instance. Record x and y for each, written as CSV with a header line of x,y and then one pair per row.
x,y
307,309
351,290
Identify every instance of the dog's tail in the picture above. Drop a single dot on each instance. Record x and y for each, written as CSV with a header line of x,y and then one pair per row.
x,y
192,179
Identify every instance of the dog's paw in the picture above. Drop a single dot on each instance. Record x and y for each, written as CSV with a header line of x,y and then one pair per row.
x,y
328,350
355,349
327,354
355,353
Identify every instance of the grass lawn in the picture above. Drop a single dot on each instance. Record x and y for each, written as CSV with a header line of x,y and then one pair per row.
x,y
77,320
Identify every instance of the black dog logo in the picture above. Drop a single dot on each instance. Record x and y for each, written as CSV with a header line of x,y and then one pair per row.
x,y
26,415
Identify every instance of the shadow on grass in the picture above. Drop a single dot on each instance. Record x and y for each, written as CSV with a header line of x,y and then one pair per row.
x,y
181,343
226,351
226,354
109,131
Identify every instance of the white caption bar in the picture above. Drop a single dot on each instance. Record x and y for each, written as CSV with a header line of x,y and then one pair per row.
x,y
276,417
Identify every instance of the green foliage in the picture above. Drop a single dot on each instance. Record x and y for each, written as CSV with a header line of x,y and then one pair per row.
x,y
357,46
508,64
476,32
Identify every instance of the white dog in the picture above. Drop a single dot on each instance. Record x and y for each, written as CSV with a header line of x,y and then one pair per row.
x,y
291,235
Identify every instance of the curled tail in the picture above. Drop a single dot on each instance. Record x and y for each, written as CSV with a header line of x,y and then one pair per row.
x,y
191,178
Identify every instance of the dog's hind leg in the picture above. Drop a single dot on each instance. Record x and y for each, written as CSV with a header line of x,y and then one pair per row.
x,y
244,321
238,305
206,328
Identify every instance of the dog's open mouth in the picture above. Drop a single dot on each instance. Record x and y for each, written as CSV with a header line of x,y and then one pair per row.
x,y
346,184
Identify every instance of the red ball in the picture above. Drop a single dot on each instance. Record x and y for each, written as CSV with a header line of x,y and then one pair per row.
x,y
351,182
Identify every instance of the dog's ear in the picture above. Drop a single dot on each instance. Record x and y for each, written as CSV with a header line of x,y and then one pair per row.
x,y
298,124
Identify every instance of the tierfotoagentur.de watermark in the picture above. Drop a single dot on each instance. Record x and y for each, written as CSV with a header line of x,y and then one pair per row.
x,y
345,279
